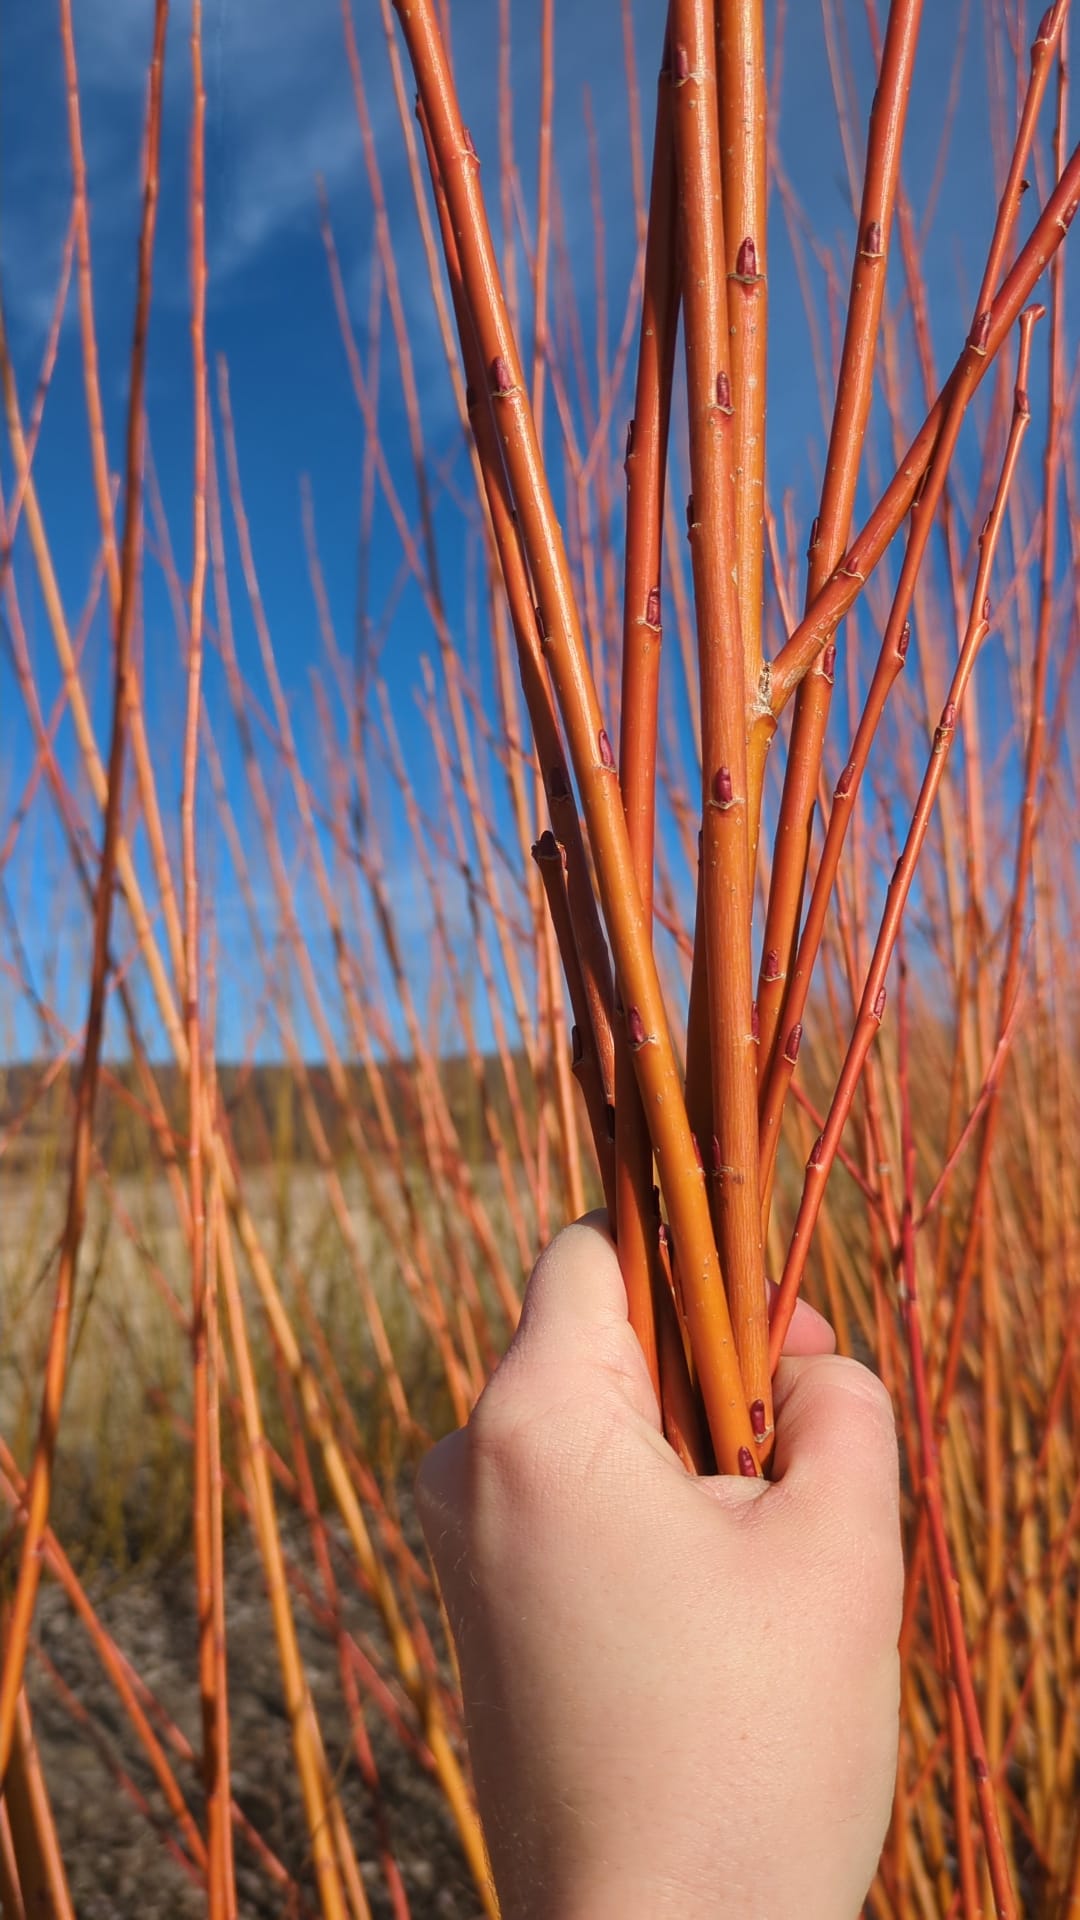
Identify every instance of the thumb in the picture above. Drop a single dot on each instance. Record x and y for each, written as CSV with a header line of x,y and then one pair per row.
x,y
574,1327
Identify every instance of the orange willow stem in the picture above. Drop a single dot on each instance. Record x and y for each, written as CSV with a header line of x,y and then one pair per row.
x,y
846,582
872,1005
592,953
29,1574
743,126
725,876
854,391
635,1218
542,254
382,1588
316,1786
590,750
36,1861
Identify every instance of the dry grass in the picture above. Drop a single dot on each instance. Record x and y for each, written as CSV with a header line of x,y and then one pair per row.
x,y
283,1281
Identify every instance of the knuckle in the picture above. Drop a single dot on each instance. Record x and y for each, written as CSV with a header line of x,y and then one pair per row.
x,y
506,1434
510,1463
876,1416
539,1456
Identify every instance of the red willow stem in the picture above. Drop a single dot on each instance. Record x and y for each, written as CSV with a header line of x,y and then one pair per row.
x,y
987,1093
130,1691
550,858
948,1589
957,395
37,411
40,1478
367,1022
590,954
206,1490
442,1128
725,888
635,1217
889,666
1033,763
872,1004
104,492
854,392
847,580
422,552
590,750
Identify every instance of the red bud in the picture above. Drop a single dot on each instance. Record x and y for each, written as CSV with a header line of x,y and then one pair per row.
x,y
722,792
746,259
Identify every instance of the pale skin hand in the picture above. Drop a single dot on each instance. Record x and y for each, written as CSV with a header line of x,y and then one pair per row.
x,y
682,1695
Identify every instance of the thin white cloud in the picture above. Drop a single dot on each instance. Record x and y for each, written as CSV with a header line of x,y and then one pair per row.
x,y
279,113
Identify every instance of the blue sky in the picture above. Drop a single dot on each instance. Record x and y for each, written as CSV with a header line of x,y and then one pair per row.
x,y
281,116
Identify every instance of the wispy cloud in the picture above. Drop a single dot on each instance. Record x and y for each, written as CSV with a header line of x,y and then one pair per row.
x,y
280,112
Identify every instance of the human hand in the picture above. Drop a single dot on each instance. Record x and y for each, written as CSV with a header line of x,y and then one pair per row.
x,y
681,1695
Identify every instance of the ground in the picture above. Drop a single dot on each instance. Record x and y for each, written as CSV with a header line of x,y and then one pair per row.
x,y
118,1860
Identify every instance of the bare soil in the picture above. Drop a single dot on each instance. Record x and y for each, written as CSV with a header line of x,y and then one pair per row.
x,y
118,1856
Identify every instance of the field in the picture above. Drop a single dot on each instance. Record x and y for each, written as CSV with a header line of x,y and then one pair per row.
x,y
413,833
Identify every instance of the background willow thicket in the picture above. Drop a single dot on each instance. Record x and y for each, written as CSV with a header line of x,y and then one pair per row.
x,y
336,1114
